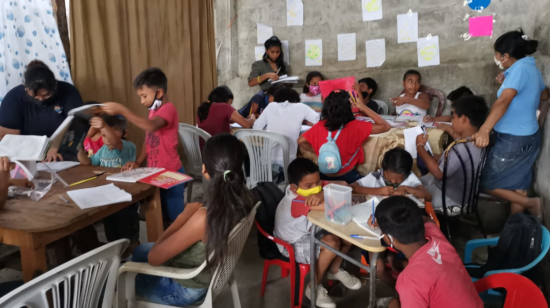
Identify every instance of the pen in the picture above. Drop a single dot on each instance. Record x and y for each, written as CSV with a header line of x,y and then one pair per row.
x,y
278,70
359,236
66,201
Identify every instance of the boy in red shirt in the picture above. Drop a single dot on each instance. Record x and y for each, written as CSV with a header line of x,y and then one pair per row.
x,y
161,139
435,276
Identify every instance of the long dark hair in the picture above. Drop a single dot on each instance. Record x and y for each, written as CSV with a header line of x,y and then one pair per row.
x,y
516,44
310,76
275,42
221,94
229,200
337,110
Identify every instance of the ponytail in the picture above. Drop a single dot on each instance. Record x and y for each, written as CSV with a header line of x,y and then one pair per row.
x,y
221,94
516,44
202,112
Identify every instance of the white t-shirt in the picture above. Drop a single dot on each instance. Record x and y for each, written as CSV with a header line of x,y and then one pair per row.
x,y
408,109
285,119
305,98
376,180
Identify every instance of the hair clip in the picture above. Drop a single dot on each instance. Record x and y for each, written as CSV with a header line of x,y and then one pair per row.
x,y
336,91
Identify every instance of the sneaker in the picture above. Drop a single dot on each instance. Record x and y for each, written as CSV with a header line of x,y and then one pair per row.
x,y
383,302
322,299
351,282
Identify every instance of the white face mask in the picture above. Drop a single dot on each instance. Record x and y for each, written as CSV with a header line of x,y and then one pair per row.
x,y
156,104
499,63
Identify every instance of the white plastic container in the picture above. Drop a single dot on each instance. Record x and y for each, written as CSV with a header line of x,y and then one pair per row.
x,y
337,203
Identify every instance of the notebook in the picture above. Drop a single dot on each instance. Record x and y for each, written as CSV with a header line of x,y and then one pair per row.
x,y
410,141
285,79
133,176
86,112
166,179
361,213
99,196
56,166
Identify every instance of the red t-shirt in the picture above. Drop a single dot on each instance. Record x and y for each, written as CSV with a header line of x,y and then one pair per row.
x,y
162,145
435,277
217,121
351,138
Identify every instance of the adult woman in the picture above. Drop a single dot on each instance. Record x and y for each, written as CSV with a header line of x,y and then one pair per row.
x,y
201,230
337,115
508,171
38,106
270,67
215,115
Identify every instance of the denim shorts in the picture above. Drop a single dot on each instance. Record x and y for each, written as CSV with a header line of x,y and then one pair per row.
x,y
510,162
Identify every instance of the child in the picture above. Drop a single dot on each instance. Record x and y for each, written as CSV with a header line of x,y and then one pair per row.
x,y
453,96
115,153
201,230
435,275
312,91
259,102
394,179
161,139
468,114
304,194
367,90
6,181
93,141
412,102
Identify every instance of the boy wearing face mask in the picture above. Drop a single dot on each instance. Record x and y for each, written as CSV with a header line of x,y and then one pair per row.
x,y
304,194
366,89
161,139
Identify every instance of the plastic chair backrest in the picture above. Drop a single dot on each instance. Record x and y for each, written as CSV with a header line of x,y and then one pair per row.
x,y
235,245
382,105
434,93
78,283
520,291
259,144
190,137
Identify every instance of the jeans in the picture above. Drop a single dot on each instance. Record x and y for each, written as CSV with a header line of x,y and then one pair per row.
x,y
172,200
350,177
162,290
123,224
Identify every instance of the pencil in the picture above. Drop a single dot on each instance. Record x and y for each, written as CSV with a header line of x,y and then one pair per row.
x,y
84,181
278,70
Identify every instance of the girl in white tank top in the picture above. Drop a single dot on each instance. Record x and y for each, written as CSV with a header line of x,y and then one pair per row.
x,y
408,109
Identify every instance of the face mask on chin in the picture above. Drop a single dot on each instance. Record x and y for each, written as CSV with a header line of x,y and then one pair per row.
x,y
365,94
156,103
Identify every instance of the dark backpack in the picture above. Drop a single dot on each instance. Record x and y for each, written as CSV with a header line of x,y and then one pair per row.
x,y
519,244
270,196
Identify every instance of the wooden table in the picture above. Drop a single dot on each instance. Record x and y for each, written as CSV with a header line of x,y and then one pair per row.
x,y
317,218
32,225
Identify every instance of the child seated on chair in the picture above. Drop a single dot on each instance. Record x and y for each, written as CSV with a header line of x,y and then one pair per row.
x,y
201,230
412,102
453,96
366,89
435,275
468,114
304,194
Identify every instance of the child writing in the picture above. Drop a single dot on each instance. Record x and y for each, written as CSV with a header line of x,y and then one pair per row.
x,y
412,102
394,179
468,114
453,96
201,230
435,276
161,139
304,194
259,102
312,91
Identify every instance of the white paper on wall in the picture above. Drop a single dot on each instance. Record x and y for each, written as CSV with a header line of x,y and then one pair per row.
x,y
314,52
372,9
428,51
376,52
347,47
264,32
294,13
407,28
286,57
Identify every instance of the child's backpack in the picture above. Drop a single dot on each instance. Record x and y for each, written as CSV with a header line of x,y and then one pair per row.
x,y
519,244
329,160
270,196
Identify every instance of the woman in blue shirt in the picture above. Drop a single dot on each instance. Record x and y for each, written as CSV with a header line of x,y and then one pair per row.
x,y
508,170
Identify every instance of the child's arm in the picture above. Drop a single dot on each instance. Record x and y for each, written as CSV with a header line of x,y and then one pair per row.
x,y
380,191
105,130
418,191
236,117
437,119
4,180
142,157
422,102
380,125
448,129
83,157
431,163
305,145
147,125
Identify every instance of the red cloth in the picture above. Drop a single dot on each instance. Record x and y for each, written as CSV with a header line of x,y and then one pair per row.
x,y
162,145
89,144
328,86
351,138
218,118
435,277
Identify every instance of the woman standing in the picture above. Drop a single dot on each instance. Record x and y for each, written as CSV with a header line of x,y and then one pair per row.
x,y
270,67
508,171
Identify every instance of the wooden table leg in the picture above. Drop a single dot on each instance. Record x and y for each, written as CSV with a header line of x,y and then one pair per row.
x,y
33,262
153,217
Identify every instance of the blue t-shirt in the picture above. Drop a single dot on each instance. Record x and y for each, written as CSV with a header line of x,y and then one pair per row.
x,y
17,111
521,117
261,99
115,158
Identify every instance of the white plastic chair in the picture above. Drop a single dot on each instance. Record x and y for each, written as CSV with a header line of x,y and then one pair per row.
x,y
223,275
382,105
78,283
190,136
259,145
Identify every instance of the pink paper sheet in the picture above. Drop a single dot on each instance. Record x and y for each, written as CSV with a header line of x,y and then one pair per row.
x,y
328,86
481,26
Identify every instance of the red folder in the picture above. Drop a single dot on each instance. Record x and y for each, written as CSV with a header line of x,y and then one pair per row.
x,y
328,86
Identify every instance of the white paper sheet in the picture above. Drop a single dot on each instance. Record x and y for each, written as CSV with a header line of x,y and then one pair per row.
x,y
286,52
264,32
314,52
259,52
376,52
347,47
407,28
57,166
410,140
372,9
72,112
294,13
428,51
99,196
23,148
